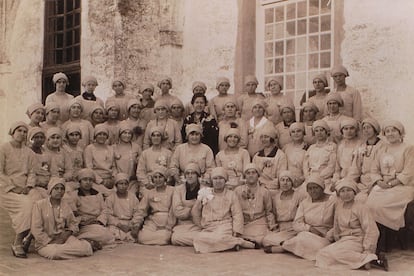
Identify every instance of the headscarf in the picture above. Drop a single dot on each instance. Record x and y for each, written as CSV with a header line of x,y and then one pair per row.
x,y
221,80
374,123
395,124
199,84
132,102
52,131
310,105
112,104
178,102
146,86
157,129
123,84
230,99
33,107
321,77
269,131
348,122
219,171
71,128
250,78
86,172
335,97
96,106
192,166
339,69
346,182
297,125
161,103
89,79
260,102
322,124
35,130
50,106
251,166
286,105
161,170
315,178
16,125
100,128
193,127
73,102
58,76
163,79
277,79
232,131
53,182
286,173
124,126
120,177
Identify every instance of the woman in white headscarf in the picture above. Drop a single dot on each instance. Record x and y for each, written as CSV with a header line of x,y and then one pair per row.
x,y
60,96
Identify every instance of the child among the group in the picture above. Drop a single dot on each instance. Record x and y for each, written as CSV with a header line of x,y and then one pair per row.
x,y
88,98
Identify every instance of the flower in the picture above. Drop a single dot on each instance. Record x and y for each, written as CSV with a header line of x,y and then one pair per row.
x,y
205,194
388,161
162,161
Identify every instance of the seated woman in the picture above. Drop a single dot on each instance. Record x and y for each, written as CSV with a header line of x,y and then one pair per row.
x,y
171,132
16,180
72,149
89,210
122,211
112,122
285,204
138,125
120,98
256,125
100,157
320,82
230,119
192,152
392,175
76,109
54,226
155,211
233,158
308,117
216,104
270,160
88,98
183,200
287,113
355,233
256,203
320,158
97,115
177,112
36,114
218,212
249,98
295,153
205,120
52,111
151,158
197,87
275,99
313,220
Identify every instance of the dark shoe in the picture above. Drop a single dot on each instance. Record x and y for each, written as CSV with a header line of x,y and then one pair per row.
x,y
256,244
267,249
382,261
18,251
26,242
236,247
95,245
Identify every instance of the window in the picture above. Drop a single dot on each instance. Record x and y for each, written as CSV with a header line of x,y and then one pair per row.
x,y
62,44
295,41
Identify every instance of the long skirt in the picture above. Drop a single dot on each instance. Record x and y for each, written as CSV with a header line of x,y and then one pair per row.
x,y
256,230
183,234
347,253
19,207
97,233
305,245
388,206
277,238
154,231
215,238
72,248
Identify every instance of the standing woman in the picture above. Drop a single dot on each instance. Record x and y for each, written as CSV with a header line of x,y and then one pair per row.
x,y
197,87
248,99
36,114
183,200
59,96
308,116
233,158
393,178
17,180
146,92
207,123
276,99
287,113
165,84
355,233
216,104
88,98
177,112
120,98
320,82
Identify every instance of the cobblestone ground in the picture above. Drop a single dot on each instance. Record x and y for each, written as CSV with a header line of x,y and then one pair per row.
x,y
134,259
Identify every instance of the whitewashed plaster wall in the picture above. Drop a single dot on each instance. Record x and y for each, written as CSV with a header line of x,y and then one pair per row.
x,y
378,51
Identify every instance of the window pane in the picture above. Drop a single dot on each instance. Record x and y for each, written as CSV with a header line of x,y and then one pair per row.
x,y
69,21
77,36
313,43
60,5
69,56
313,7
290,46
77,4
279,48
291,11
301,63
325,23
280,14
290,29
269,49
77,19
290,64
301,81
325,42
269,32
59,40
268,16
313,61
279,65
69,5
302,9
52,25
326,60
301,45
302,27
324,6
313,24
77,53
269,66
279,31
69,38
59,24
58,57
290,81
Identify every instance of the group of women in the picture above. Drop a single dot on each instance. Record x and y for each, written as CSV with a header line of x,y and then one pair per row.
x,y
233,172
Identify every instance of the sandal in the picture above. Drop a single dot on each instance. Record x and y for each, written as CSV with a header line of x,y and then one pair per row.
x,y
18,251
